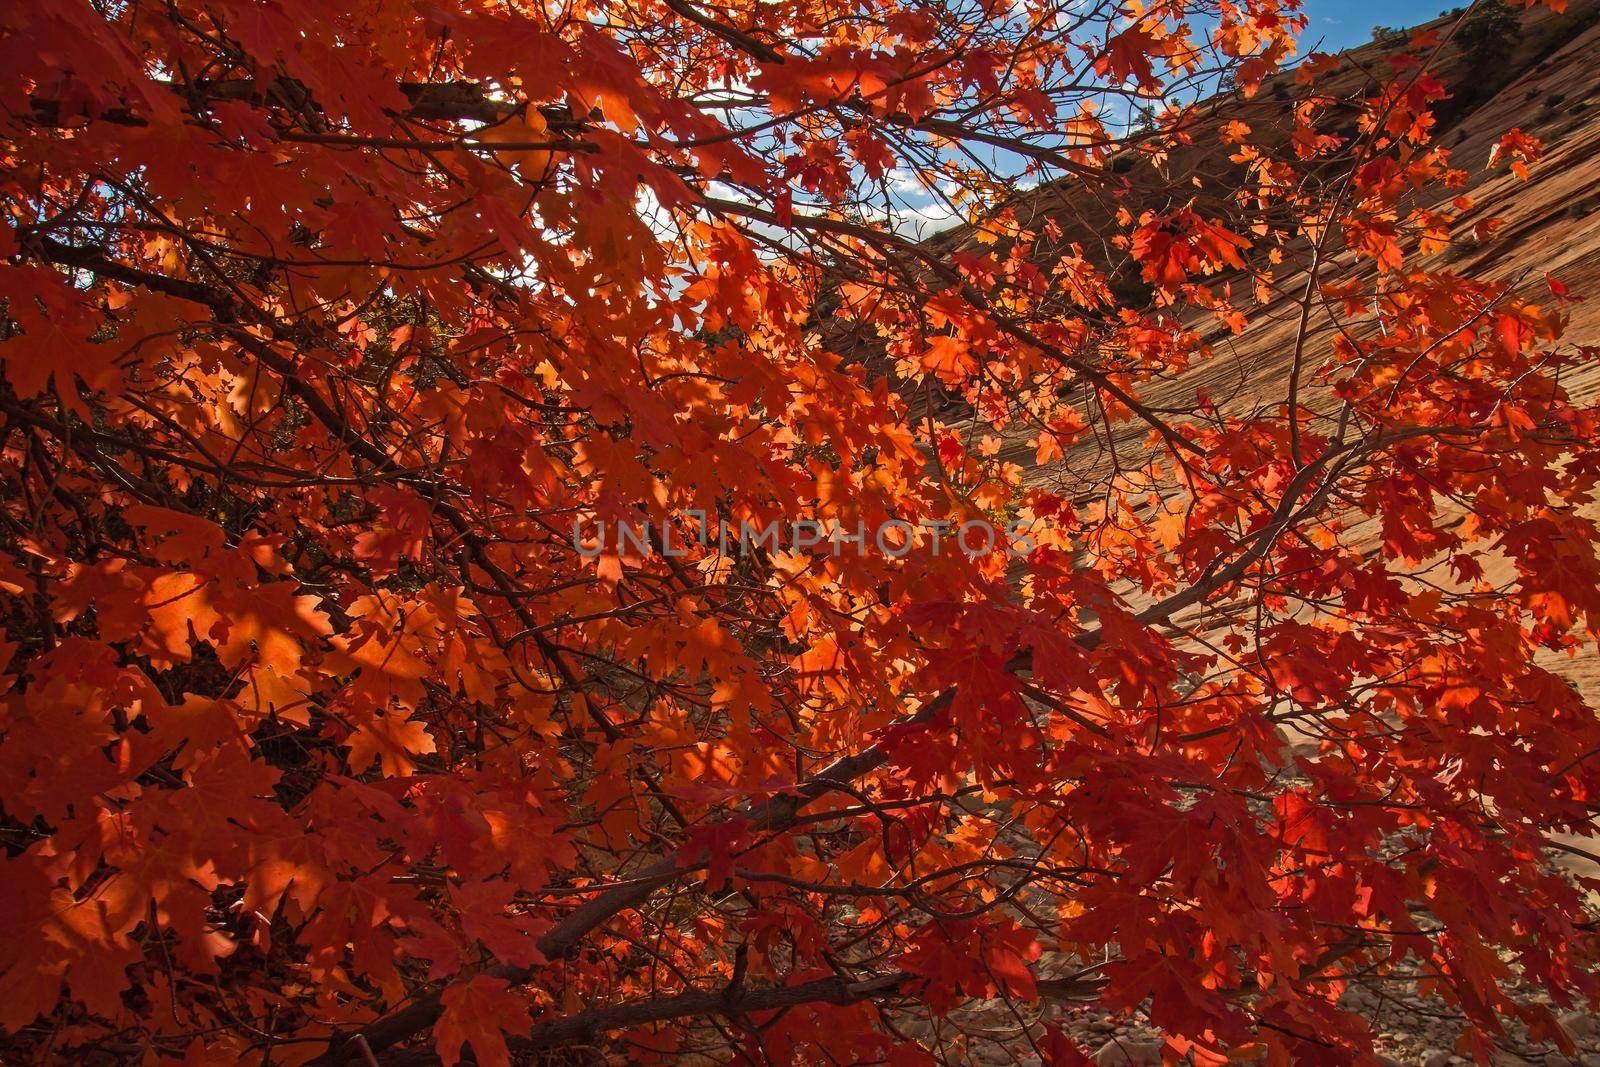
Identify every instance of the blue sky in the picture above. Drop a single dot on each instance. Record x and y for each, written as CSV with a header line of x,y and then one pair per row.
x,y
1333,25
1344,23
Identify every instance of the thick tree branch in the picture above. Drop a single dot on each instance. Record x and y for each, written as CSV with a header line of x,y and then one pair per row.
x,y
699,1003
430,101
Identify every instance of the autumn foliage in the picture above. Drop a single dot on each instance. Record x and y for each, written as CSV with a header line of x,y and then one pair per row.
x,y
323,739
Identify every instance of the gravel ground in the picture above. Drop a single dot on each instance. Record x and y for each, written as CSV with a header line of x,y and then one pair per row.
x,y
1412,1030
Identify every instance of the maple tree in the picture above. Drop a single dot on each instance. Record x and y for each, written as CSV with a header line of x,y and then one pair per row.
x,y
324,741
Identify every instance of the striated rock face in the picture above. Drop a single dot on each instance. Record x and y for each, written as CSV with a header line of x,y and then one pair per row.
x,y
1548,85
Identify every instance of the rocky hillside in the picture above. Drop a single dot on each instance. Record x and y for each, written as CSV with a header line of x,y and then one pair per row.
x,y
1545,80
